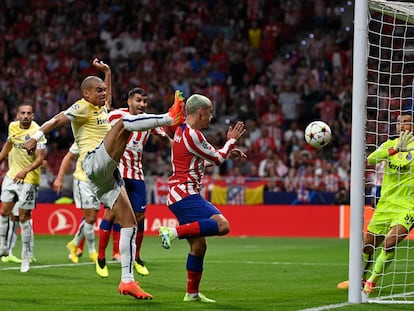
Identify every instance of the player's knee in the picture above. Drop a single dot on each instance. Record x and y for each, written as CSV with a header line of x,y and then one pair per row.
x,y
224,227
90,219
140,217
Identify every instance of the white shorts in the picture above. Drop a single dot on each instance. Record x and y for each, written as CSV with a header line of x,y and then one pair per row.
x,y
84,195
23,194
103,173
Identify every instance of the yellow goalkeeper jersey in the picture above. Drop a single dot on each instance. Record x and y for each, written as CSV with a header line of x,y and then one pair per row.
x,y
18,158
90,124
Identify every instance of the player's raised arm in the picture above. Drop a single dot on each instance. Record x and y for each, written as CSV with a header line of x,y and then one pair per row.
x,y
57,121
100,65
236,131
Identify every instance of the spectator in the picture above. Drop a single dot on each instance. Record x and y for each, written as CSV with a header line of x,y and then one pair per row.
x,y
290,103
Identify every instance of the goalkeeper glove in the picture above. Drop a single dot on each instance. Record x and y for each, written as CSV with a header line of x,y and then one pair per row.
x,y
406,138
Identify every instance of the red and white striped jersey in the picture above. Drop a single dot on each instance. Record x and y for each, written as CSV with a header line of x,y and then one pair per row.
x,y
130,165
189,152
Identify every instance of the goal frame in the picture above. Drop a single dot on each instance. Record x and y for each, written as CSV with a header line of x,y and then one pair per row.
x,y
359,118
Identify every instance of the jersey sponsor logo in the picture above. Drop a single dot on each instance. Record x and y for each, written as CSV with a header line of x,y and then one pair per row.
x,y
19,146
401,161
102,121
409,219
62,221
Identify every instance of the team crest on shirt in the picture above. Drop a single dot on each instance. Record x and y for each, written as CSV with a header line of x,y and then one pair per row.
x,y
135,146
401,160
27,137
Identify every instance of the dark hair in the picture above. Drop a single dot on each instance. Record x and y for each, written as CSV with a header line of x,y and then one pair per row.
x,y
137,90
406,113
24,104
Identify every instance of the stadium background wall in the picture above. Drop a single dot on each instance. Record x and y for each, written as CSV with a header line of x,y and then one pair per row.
x,y
254,220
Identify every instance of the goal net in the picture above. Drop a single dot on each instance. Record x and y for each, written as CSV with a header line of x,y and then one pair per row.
x,y
390,72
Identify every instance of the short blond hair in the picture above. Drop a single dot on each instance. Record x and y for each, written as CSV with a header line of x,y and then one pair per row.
x,y
195,102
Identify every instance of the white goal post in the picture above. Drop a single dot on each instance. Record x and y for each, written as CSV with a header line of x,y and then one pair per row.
x,y
383,77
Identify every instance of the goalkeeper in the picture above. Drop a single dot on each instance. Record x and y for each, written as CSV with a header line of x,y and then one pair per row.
x,y
394,216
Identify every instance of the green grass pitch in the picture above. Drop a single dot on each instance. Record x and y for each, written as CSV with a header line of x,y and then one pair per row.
x,y
239,273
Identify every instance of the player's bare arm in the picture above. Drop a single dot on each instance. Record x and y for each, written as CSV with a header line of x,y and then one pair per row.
x,y
101,66
63,169
57,121
7,147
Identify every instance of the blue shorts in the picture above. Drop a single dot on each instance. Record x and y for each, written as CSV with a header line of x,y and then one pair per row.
x,y
193,208
137,194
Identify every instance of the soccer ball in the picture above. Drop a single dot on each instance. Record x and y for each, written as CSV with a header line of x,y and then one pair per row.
x,y
318,134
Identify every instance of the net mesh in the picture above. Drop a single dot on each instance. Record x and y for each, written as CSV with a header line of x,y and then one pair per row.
x,y
390,67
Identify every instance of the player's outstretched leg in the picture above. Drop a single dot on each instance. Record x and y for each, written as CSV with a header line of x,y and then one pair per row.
x,y
142,122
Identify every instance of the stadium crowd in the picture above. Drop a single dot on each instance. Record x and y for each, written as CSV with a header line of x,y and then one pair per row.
x,y
276,65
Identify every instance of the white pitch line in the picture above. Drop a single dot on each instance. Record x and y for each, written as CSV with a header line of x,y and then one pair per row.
x,y
328,307
40,266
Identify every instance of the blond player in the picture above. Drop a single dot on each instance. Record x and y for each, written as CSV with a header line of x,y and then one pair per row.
x,y
21,183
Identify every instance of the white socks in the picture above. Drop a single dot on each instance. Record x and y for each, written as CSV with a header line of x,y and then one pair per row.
x,y
4,226
27,241
89,234
143,122
79,234
127,248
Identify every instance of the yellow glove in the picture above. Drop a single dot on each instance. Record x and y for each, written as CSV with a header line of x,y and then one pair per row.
x,y
406,138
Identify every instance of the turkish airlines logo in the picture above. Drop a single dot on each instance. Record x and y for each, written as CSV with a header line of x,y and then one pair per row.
x,y
62,221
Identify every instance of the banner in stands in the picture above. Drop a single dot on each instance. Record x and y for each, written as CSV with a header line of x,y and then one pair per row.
x,y
245,220
233,193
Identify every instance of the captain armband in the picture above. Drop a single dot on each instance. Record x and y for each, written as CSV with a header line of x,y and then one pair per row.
x,y
38,135
392,151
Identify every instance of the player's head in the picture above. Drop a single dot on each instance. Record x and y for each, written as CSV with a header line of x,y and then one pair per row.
x,y
137,100
201,107
25,115
94,90
405,121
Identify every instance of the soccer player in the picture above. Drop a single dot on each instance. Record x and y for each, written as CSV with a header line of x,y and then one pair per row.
x,y
198,218
131,171
79,239
85,199
100,150
21,184
394,214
